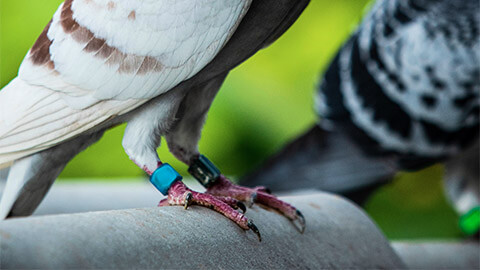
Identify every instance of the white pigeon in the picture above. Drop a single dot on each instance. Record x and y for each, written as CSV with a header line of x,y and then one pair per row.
x,y
155,64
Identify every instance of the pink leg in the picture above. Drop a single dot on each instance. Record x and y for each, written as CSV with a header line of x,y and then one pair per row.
x,y
179,194
223,187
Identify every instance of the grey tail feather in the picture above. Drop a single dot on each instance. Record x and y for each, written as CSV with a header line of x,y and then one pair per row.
x,y
324,160
31,177
4,175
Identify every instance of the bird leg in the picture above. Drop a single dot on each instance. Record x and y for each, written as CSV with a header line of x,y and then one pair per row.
x,y
222,195
218,185
169,183
142,138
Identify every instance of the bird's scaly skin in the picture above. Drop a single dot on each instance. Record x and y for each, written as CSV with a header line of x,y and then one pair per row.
x,y
224,187
179,194
224,197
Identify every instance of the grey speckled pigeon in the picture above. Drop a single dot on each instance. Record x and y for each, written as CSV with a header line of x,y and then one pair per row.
x,y
156,65
401,94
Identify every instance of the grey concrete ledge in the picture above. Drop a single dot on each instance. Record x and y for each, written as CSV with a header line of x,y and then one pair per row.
x,y
439,254
78,196
338,235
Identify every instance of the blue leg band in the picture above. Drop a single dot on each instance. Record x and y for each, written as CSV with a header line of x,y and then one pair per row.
x,y
164,177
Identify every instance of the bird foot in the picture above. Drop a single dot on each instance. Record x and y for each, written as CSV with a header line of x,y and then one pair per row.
x,y
261,195
179,194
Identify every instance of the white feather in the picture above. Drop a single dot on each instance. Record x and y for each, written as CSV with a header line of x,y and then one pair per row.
x,y
33,118
182,36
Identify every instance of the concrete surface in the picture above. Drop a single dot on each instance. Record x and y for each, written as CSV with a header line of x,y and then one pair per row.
x,y
338,235
439,255
86,196
77,196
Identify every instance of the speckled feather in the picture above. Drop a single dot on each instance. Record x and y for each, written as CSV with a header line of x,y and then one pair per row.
x,y
408,81
401,94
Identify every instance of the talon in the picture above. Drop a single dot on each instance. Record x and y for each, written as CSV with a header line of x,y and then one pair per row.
x,y
188,200
254,229
263,189
252,199
242,207
301,221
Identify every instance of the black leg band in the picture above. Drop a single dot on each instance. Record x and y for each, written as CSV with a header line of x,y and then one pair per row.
x,y
204,171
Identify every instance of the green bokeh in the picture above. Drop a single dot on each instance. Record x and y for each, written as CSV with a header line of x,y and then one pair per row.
x,y
264,102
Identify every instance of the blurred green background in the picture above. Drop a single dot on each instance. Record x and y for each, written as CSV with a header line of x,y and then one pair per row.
x,y
264,103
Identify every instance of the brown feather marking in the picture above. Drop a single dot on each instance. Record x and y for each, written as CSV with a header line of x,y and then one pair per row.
x,y
149,63
111,5
40,52
116,58
127,63
82,35
105,51
130,64
66,17
94,45
133,15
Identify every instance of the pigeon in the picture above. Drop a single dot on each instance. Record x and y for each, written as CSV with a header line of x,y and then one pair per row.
x,y
156,65
401,94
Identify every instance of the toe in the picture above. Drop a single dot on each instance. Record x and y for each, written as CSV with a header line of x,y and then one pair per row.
x,y
261,195
284,208
263,189
163,202
179,194
234,203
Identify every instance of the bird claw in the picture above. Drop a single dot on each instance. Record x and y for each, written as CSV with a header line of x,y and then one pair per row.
x,y
225,200
179,194
267,190
263,189
254,229
188,200
223,187
241,206
299,221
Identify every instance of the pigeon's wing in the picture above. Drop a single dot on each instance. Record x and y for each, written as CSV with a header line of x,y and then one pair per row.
x,y
97,59
34,118
127,49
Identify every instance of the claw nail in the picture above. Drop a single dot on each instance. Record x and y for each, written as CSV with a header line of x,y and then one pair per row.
x,y
188,200
252,199
242,207
301,221
254,229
